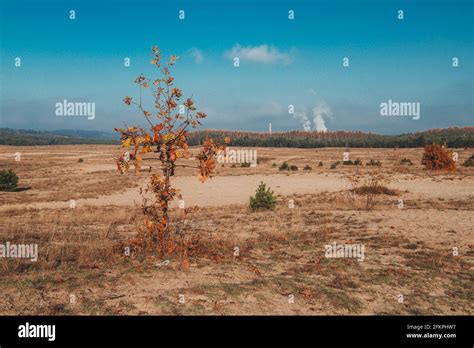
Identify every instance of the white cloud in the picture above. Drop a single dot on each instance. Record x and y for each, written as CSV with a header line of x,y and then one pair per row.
x,y
197,55
259,54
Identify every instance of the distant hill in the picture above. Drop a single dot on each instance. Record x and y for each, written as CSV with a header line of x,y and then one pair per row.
x,y
22,137
90,134
454,137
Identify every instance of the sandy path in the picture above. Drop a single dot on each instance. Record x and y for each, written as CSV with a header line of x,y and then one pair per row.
x,y
227,190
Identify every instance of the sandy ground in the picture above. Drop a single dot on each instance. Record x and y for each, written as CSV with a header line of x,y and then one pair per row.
x,y
229,190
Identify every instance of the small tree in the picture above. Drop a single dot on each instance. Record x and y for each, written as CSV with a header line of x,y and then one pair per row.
x,y
8,180
264,199
167,138
437,156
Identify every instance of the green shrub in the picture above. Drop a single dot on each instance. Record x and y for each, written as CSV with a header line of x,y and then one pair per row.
x,y
264,199
374,163
469,162
357,162
334,165
406,161
284,166
245,164
8,180
294,168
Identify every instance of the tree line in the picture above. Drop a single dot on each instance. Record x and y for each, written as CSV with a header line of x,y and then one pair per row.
x,y
453,137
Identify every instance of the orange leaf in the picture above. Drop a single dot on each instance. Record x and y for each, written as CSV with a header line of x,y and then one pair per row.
x,y
185,264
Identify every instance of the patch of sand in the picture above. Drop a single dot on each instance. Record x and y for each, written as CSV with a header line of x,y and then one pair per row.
x,y
229,190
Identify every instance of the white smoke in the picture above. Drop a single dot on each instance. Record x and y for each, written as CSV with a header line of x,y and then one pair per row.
x,y
305,122
319,124
321,111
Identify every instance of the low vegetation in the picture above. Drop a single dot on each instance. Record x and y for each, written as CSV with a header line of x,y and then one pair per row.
x,y
284,166
8,180
369,187
280,249
469,162
374,189
357,162
264,199
373,162
437,157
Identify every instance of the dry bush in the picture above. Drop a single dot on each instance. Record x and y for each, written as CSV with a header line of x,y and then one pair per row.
x,y
197,245
369,187
374,188
438,156
342,201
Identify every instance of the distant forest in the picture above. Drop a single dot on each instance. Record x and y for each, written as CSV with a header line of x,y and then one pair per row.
x,y
453,137
21,137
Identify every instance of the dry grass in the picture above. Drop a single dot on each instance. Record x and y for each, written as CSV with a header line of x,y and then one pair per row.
x,y
280,253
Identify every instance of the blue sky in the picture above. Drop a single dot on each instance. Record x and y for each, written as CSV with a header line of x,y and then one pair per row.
x,y
282,61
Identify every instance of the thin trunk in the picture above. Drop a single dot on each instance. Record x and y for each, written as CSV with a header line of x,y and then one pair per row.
x,y
165,208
